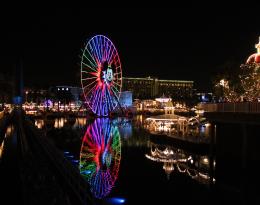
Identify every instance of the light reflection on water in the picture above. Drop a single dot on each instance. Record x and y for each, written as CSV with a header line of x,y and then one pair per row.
x,y
100,153
75,123
2,148
173,159
100,156
59,122
8,133
80,123
39,123
125,126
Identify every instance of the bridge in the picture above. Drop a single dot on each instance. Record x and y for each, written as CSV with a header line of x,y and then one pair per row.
x,y
242,107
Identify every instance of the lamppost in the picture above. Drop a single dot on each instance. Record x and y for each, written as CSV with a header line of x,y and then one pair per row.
x,y
26,94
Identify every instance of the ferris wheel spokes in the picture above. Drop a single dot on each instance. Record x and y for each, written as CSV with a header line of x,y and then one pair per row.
x,y
101,75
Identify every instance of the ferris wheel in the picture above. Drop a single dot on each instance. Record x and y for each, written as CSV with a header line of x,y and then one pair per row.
x,y
101,75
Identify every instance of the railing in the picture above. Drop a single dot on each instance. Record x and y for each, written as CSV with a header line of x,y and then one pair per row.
x,y
1,114
65,169
30,139
244,107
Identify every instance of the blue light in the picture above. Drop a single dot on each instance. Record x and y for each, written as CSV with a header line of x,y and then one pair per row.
x,y
121,200
86,172
116,200
66,152
17,100
70,156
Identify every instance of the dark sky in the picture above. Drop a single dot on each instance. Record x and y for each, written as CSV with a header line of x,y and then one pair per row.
x,y
173,43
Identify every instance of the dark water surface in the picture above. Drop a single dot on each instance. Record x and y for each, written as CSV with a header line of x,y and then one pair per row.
x,y
125,165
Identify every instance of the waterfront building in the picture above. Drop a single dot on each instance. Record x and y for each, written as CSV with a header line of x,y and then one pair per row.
x,y
69,93
33,95
149,88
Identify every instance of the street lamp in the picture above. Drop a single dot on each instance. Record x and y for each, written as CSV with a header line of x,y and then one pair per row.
x,y
26,94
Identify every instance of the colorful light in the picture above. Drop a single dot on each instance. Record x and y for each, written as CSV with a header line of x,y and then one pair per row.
x,y
48,103
101,75
116,200
100,156
255,58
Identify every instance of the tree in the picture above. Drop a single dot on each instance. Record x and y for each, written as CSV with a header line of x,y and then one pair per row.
x,y
226,84
250,81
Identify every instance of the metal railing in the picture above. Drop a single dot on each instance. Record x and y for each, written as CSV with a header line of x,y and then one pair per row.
x,y
65,169
243,107
1,114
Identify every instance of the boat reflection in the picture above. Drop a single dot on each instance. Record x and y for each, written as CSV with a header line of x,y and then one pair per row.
x,y
194,165
100,156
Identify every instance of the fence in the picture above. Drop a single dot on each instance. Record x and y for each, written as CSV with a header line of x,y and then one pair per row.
x,y
1,114
245,107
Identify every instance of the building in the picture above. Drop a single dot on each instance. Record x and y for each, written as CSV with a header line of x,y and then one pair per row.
x,y
34,95
67,93
148,88
126,99
166,104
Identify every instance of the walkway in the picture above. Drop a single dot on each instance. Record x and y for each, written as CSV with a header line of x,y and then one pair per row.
x,y
32,171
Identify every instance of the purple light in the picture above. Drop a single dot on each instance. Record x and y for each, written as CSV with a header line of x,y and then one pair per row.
x,y
48,103
101,75
100,156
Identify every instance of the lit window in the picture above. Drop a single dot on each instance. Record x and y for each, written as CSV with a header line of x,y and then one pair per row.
x,y
58,89
62,88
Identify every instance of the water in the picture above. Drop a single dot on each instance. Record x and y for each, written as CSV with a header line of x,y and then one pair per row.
x,y
124,165
10,185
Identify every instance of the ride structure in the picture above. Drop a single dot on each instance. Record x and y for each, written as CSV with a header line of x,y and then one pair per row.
x,y
101,75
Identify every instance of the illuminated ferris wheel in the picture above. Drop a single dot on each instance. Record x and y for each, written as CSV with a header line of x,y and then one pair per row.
x,y
101,75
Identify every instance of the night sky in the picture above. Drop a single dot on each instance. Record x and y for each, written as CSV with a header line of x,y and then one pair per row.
x,y
177,43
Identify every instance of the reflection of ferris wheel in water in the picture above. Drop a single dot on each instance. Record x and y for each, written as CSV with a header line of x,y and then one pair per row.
x,y
100,156
101,75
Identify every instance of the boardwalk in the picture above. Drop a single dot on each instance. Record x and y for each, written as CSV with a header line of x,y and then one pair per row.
x,y
34,171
